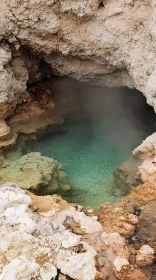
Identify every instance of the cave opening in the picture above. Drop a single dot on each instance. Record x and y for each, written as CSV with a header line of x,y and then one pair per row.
x,y
101,5
102,127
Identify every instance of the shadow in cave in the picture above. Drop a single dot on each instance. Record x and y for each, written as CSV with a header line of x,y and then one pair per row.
x,y
101,5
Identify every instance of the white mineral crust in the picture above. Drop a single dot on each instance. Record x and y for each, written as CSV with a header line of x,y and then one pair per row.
x,y
33,246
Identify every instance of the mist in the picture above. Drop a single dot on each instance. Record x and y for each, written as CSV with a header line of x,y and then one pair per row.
x,y
119,116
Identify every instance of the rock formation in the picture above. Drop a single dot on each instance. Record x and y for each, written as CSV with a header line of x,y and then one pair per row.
x,y
145,256
147,153
141,167
4,131
120,215
112,44
59,241
36,173
35,247
147,223
126,175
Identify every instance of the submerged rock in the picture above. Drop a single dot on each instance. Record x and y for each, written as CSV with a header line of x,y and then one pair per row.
x,y
41,175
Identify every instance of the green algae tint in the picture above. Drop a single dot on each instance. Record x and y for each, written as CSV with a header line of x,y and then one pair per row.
x,y
91,147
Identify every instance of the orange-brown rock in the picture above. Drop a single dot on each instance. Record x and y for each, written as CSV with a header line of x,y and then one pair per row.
x,y
134,274
116,216
5,110
146,229
46,205
145,256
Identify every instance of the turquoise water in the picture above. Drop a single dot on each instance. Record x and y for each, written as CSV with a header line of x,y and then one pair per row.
x,y
90,148
88,160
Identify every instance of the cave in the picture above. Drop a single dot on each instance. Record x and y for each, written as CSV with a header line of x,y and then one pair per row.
x,y
91,130
101,127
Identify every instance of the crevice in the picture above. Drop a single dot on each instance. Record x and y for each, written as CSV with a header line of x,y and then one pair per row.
x,y
101,5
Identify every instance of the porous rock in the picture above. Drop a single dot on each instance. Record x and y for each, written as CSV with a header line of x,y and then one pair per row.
x,y
145,256
112,44
126,176
33,247
4,131
37,173
146,230
147,153
141,167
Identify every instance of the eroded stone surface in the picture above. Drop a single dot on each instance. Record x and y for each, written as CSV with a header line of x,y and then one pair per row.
x,y
60,241
147,223
141,167
110,44
147,152
126,175
121,216
145,256
4,131
13,76
37,173
34,247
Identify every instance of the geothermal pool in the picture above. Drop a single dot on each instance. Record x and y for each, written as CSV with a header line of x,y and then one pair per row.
x,y
94,143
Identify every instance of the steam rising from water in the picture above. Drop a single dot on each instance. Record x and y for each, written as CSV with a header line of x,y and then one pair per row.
x,y
108,125
119,116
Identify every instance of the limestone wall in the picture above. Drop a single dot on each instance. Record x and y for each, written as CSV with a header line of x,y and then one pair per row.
x,y
112,44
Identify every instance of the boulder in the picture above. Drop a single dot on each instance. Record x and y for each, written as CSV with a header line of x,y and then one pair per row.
x,y
139,168
126,176
146,230
145,256
4,131
39,174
